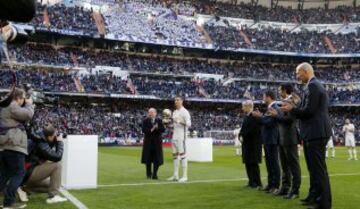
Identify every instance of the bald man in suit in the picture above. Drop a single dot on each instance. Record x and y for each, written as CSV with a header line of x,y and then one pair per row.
x,y
315,130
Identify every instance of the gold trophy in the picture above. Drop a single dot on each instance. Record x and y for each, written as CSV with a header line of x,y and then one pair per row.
x,y
166,117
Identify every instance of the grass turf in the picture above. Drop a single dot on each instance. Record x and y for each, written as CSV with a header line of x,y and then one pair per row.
x,y
121,165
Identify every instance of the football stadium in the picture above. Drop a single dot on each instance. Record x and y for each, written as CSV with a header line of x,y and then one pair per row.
x,y
170,104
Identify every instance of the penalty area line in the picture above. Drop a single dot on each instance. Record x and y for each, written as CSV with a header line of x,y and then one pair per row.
x,y
73,199
205,181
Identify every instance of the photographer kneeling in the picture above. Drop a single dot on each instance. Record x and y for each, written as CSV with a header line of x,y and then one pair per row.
x,y
43,166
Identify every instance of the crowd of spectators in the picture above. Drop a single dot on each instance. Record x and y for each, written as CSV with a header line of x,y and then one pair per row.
x,y
159,22
339,14
63,17
119,124
165,87
280,13
140,21
122,123
276,39
47,55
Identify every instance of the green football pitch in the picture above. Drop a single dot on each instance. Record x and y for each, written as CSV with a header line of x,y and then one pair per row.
x,y
216,185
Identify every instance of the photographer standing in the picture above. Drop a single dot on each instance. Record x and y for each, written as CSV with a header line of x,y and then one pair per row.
x,y
13,145
43,162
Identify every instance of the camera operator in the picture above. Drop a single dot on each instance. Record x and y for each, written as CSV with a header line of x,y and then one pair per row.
x,y
43,166
13,145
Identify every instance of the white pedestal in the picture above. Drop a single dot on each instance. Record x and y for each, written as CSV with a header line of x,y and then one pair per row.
x,y
199,149
79,162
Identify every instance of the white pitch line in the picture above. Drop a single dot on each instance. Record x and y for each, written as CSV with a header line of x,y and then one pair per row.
x,y
206,181
73,199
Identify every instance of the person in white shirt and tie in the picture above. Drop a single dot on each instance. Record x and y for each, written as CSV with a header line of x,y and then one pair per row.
x,y
349,130
181,123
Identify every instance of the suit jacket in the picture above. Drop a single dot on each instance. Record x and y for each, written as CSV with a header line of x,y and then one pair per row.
x,y
251,145
313,112
270,128
287,129
152,147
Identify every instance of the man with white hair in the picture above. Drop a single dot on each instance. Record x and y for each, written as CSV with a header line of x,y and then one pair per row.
x,y
152,153
315,131
181,122
349,130
251,148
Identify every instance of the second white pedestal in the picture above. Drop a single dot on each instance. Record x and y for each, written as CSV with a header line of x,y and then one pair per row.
x,y
199,149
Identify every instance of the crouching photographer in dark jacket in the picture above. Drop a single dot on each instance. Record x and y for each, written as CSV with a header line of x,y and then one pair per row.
x,y
43,166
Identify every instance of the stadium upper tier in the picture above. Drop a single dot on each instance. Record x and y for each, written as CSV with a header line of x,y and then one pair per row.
x,y
175,25
42,54
339,14
165,77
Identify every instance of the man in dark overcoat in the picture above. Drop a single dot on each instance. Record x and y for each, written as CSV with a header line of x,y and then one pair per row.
x,y
152,153
251,147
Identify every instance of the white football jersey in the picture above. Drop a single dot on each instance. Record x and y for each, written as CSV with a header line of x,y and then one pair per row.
x,y
182,122
349,130
236,133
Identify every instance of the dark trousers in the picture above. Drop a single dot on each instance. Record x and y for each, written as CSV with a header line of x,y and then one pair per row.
x,y
151,173
311,194
11,174
253,173
272,165
291,172
318,170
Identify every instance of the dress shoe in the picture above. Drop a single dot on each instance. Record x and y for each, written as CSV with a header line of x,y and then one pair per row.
x,y
275,191
154,177
282,192
292,195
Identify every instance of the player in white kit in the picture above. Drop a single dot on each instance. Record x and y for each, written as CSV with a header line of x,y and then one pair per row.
x,y
181,123
237,140
349,130
330,145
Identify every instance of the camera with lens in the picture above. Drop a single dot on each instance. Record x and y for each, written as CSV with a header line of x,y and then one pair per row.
x,y
13,34
61,136
37,97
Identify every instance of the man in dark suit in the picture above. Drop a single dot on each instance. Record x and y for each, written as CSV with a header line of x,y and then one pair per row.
x,y
251,145
289,139
270,138
152,152
315,130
